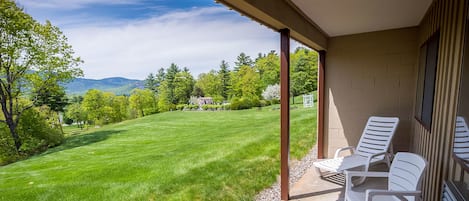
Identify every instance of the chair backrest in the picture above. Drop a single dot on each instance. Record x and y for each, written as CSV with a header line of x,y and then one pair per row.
x,y
461,139
377,135
406,172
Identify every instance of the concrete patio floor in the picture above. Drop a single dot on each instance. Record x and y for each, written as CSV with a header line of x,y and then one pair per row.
x,y
311,187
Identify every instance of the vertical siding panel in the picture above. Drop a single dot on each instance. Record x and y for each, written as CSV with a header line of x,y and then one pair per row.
x,y
446,84
436,145
438,98
454,87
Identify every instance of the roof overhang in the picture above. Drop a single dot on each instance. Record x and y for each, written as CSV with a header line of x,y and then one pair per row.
x,y
312,22
280,14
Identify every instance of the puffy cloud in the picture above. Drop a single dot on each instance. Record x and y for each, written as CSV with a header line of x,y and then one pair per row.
x,y
198,39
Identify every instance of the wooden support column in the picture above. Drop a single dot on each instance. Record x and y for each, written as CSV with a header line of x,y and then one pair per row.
x,y
321,88
284,112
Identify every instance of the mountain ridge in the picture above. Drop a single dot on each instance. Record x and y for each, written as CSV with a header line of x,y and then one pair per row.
x,y
117,85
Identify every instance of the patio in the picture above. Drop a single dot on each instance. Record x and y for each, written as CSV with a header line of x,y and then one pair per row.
x,y
331,188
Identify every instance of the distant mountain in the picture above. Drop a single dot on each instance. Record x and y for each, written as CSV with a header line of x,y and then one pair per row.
x,y
118,85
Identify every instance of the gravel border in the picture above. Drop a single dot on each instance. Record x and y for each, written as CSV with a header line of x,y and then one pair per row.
x,y
297,170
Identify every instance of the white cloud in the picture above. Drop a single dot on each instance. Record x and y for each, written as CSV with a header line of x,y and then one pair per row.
x,y
73,4
198,39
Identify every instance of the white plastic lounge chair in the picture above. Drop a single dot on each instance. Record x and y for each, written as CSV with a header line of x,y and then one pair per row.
x,y
461,140
372,148
404,181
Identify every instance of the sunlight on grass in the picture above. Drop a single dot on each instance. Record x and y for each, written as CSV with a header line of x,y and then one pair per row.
x,y
227,155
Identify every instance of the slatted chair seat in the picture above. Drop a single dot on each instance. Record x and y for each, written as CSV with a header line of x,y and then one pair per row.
x,y
461,140
340,164
403,183
372,148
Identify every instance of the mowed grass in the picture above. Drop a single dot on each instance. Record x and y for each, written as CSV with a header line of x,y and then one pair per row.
x,y
226,155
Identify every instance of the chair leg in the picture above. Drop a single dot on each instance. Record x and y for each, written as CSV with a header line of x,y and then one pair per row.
x,y
362,179
388,160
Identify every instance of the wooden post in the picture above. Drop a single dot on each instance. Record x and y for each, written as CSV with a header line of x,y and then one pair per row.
x,y
321,88
284,112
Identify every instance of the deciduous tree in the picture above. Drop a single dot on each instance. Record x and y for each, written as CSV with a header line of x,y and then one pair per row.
x,y
141,100
33,56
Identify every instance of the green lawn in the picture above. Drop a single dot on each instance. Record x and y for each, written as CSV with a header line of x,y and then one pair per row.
x,y
228,155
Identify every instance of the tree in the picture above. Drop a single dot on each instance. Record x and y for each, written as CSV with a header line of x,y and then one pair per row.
x,y
164,102
210,83
93,104
169,78
268,68
76,113
120,105
183,86
159,77
224,74
141,100
304,71
33,56
150,83
272,92
245,83
243,60
54,98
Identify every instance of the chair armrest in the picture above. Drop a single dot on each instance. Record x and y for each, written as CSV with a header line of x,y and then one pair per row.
x,y
337,152
399,194
349,174
374,156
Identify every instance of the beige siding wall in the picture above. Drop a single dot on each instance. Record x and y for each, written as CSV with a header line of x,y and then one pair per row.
x,y
369,74
436,145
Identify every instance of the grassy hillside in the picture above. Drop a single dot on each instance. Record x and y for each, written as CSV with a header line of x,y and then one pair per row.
x,y
228,155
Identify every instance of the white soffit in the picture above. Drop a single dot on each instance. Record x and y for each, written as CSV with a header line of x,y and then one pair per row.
x,y
345,17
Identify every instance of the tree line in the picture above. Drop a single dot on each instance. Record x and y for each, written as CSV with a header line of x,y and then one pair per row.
x,y
245,83
251,83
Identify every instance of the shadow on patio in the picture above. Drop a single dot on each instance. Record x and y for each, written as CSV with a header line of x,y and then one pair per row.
x,y
330,188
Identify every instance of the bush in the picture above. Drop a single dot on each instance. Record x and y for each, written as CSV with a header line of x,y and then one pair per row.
x,y
264,103
149,111
181,107
240,104
193,107
7,147
39,131
275,101
212,107
255,102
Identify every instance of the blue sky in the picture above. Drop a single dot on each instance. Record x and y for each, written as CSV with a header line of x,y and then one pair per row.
x,y
132,38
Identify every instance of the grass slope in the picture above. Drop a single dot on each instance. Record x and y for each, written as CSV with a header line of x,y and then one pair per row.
x,y
228,155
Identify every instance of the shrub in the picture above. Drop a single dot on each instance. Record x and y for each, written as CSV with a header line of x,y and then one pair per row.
x,y
39,130
275,101
255,102
240,104
263,103
194,107
7,149
149,111
181,106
